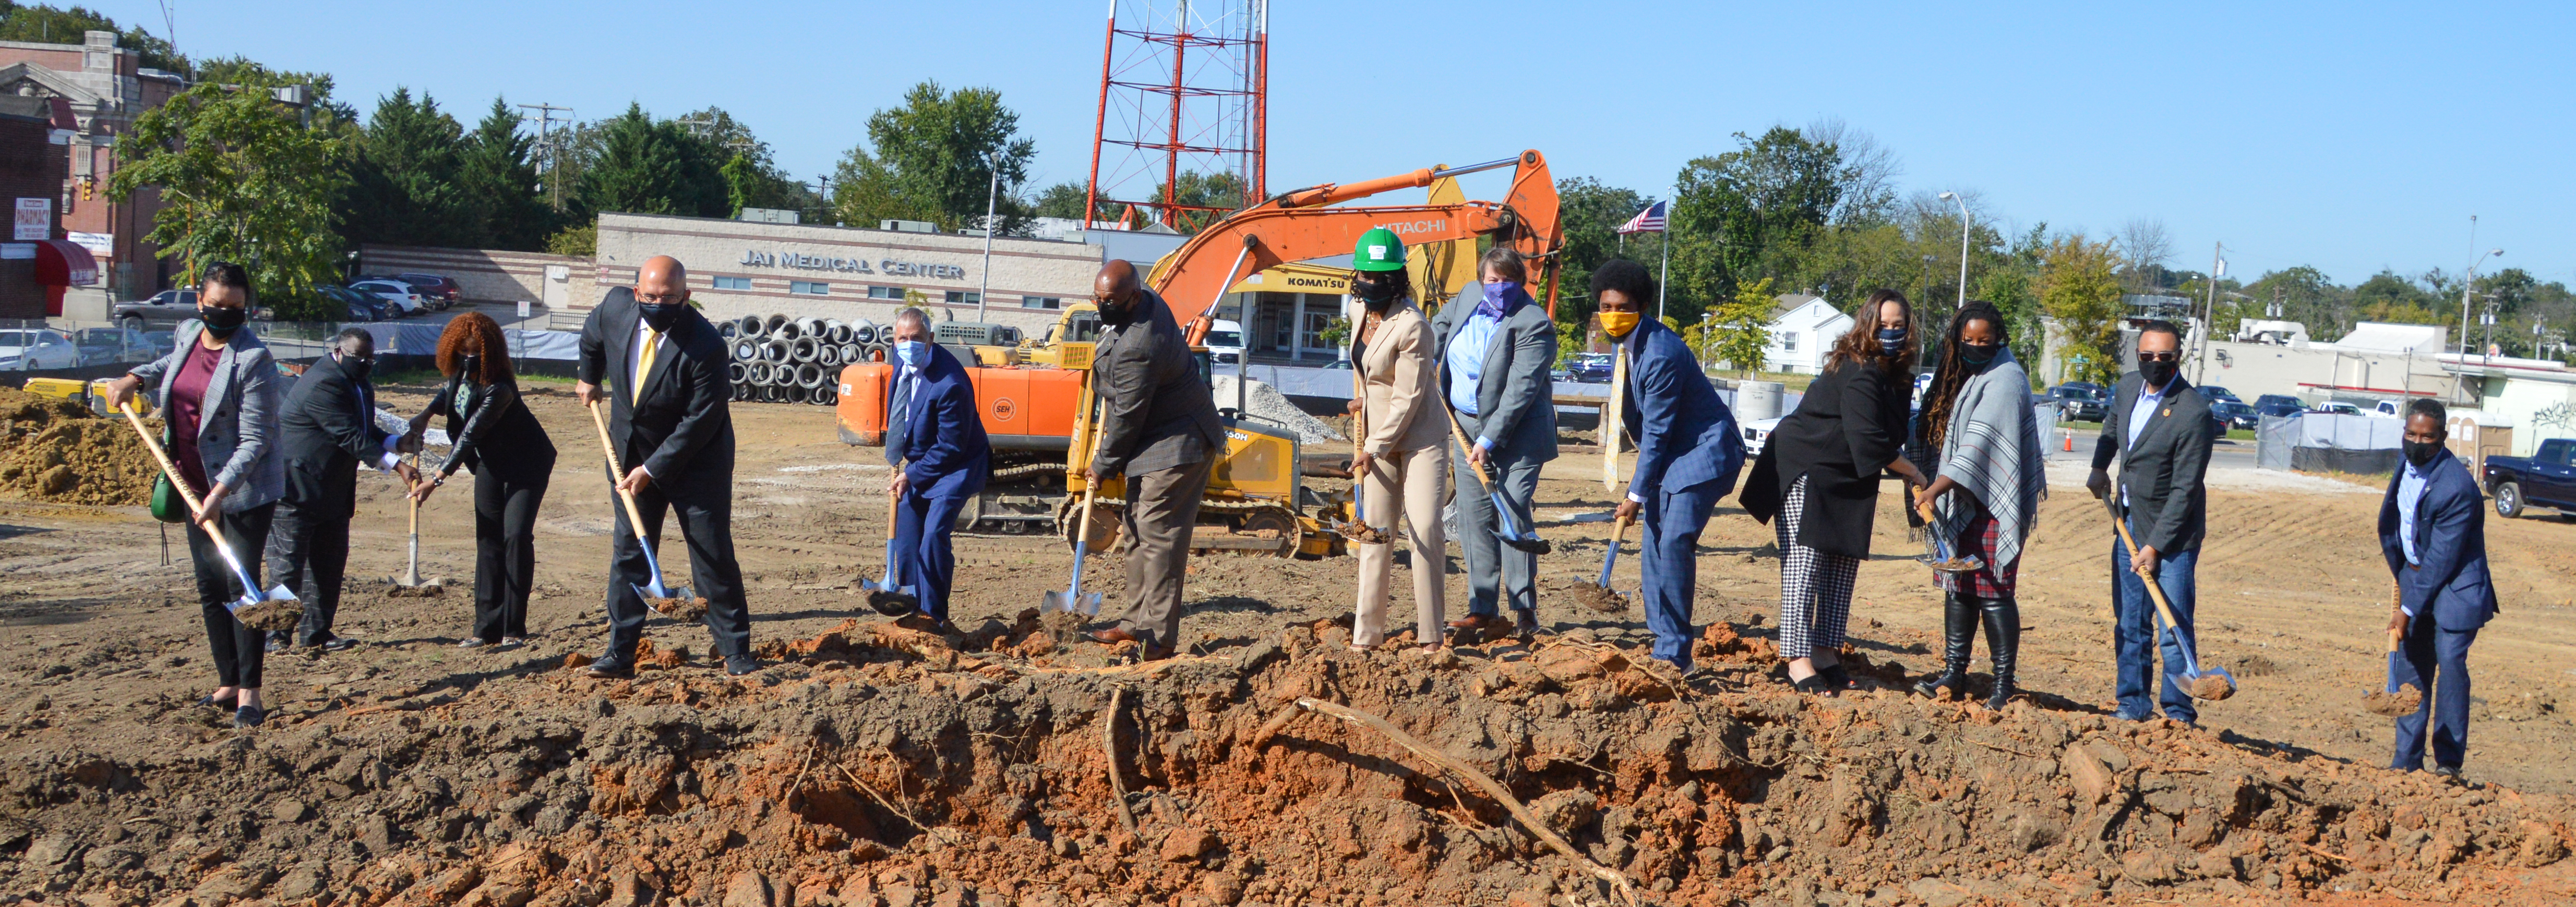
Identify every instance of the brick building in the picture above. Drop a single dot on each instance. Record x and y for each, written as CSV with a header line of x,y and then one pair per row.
x,y
96,89
36,264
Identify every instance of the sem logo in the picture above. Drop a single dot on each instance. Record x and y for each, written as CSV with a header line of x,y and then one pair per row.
x,y
1003,409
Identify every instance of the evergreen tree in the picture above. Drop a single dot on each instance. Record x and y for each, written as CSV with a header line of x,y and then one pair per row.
x,y
499,178
643,166
403,187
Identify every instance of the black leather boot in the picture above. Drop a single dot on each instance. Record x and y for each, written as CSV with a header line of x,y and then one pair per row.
x,y
2003,639
1959,640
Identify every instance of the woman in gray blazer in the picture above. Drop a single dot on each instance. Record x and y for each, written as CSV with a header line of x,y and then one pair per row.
x,y
218,392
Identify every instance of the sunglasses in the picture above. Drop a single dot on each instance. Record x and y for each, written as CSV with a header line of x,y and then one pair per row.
x,y
2159,357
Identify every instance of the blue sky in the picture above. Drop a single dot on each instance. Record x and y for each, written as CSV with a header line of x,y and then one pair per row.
x,y
2347,136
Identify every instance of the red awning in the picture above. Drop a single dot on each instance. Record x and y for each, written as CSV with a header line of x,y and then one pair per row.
x,y
63,263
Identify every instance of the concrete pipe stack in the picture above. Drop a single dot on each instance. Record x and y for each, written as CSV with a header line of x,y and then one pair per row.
x,y
779,359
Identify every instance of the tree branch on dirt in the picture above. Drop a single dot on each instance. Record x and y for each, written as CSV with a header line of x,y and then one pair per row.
x,y
1109,748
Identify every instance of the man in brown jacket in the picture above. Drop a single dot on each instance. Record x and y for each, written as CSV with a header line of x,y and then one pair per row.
x,y
1159,428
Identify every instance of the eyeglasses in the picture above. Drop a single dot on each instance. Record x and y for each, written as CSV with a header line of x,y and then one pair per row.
x,y
660,298
2159,357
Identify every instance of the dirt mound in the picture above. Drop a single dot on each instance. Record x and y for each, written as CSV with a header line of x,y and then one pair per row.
x,y
56,451
271,615
880,763
1594,596
2405,701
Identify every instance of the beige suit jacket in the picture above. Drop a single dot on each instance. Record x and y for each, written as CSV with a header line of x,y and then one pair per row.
x,y
1393,373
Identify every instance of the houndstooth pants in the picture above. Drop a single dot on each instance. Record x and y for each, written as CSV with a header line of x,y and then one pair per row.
x,y
1815,587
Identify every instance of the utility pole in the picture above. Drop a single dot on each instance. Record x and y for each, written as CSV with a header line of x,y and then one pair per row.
x,y
992,194
2209,310
550,143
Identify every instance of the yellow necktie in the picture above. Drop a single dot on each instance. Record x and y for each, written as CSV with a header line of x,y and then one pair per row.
x,y
644,366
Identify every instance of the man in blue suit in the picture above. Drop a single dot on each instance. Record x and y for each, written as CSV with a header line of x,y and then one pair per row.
x,y
1688,452
935,441
2432,528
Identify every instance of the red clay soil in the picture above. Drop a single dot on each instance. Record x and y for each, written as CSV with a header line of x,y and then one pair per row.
x,y
882,763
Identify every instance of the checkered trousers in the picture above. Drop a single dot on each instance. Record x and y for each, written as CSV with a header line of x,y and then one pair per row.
x,y
1815,587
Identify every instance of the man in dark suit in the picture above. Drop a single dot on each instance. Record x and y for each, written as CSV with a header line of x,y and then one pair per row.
x,y
2432,529
327,428
932,422
1159,428
1497,346
1688,452
2161,431
669,418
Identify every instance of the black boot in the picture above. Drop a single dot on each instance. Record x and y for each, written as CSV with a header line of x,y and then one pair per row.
x,y
1959,639
2003,639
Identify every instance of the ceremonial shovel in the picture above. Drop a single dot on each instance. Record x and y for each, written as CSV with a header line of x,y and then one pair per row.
x,y
2191,676
251,594
1504,528
635,522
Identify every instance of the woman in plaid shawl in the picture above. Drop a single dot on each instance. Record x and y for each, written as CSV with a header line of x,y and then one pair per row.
x,y
1978,415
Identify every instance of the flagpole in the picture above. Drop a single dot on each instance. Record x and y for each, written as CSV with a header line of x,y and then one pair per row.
x,y
1665,281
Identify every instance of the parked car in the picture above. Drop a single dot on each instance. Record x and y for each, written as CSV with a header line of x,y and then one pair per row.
x,y
437,288
2547,478
33,349
359,306
1590,368
2076,403
2278,405
2336,407
2213,394
104,345
1756,434
165,307
2387,409
400,294
2233,414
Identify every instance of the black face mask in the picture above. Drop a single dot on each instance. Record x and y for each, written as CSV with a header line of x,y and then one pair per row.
x,y
1376,294
659,315
357,368
221,321
2421,453
1976,356
1116,314
2158,374
471,368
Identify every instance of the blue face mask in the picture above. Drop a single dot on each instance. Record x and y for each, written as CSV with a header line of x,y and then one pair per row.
x,y
1891,341
1497,299
914,353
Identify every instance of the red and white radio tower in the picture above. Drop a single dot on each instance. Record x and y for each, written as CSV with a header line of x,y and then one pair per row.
x,y
1183,96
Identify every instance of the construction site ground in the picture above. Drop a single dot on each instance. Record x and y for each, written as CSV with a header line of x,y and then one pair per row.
x,y
873,762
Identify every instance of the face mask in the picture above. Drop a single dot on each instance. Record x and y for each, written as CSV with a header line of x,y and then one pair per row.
x,y
2158,374
914,353
1976,356
220,321
1376,293
1891,341
2421,453
1618,324
659,315
1115,314
1497,299
356,368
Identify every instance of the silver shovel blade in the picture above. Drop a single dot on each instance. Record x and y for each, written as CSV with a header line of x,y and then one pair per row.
x,y
1086,604
279,594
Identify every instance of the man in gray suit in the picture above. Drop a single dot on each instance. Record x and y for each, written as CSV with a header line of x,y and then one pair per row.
x,y
1159,428
1497,347
2161,431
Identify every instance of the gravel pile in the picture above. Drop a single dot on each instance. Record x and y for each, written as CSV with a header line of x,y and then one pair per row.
x,y
1266,402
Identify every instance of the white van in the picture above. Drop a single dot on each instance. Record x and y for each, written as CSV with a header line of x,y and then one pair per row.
x,y
1224,342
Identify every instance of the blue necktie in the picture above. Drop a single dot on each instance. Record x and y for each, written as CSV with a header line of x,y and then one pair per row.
x,y
899,422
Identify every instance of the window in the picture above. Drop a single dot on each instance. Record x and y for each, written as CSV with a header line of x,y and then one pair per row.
x,y
809,288
733,283
962,297
1789,341
895,293
1041,302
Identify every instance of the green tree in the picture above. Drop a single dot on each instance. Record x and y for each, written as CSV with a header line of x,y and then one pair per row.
x,y
1066,199
933,159
1758,207
1591,214
497,173
643,166
404,183
51,25
2079,286
1223,191
240,179
1740,330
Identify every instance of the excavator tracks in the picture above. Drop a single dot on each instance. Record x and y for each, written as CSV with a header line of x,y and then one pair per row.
x,y
1242,527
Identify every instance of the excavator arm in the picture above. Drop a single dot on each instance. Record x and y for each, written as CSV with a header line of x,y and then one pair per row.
x,y
1300,225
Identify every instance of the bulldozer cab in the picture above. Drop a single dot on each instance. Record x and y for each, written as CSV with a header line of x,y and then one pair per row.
x,y
1067,344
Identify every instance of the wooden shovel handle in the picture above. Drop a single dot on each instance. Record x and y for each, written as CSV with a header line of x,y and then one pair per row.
x,y
2396,601
617,475
1460,432
168,468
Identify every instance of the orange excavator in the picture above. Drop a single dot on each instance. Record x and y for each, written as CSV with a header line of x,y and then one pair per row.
x,y
1038,417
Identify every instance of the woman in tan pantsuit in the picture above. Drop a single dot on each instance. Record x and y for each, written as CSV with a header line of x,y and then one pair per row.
x,y
1403,441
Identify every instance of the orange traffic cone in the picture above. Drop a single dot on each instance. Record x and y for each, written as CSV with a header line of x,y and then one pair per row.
x,y
2070,439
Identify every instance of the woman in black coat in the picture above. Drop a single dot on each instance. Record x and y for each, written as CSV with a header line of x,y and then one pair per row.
x,y
491,432
1819,474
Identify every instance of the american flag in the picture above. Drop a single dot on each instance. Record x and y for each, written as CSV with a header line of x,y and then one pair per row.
x,y
1650,220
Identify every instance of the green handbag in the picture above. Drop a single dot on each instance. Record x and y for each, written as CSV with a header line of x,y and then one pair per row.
x,y
167,505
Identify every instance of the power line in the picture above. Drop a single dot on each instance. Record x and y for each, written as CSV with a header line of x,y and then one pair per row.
x,y
550,144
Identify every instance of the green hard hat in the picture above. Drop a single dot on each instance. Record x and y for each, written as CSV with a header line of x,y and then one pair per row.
x,y
1378,250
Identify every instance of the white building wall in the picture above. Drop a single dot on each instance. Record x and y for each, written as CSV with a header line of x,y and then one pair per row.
x,y
848,261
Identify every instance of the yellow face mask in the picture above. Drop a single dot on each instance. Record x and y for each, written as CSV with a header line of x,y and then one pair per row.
x,y
1618,324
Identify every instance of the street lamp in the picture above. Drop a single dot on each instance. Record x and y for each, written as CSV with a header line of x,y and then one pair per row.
x,y
1965,222
984,281
2465,285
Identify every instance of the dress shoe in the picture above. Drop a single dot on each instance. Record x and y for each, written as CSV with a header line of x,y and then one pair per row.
x,y
738,665
472,642
278,644
1111,636
249,716
210,700
1474,622
610,667
2450,773
1154,653
336,644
